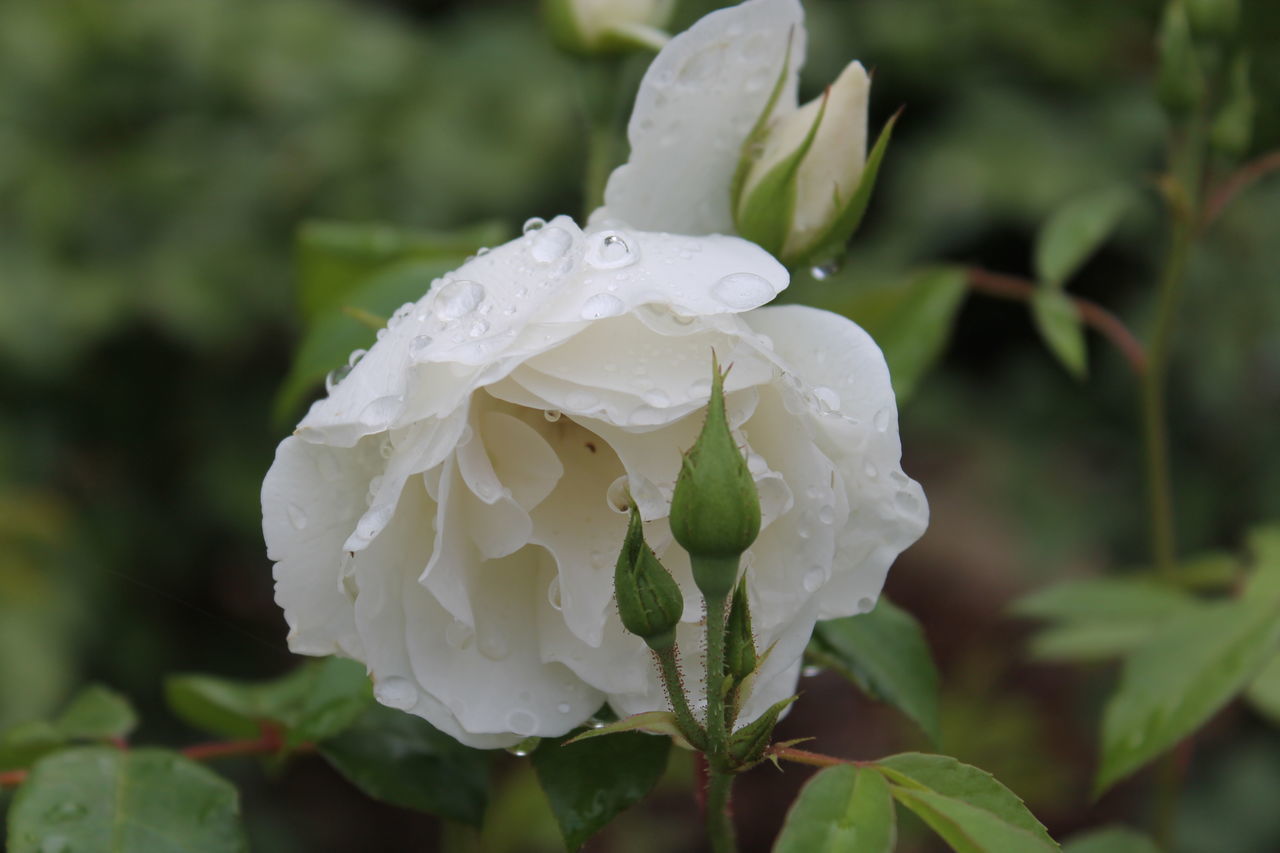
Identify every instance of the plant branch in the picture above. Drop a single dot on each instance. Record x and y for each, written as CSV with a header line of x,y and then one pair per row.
x,y
669,666
720,812
1236,183
1091,314
813,759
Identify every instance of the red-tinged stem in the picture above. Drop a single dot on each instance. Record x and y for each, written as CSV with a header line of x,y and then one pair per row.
x,y
1236,183
813,759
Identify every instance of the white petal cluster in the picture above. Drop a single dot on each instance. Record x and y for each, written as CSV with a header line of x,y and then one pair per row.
x,y
448,515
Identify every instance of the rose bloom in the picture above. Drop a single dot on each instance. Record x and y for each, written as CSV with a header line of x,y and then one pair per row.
x,y
451,512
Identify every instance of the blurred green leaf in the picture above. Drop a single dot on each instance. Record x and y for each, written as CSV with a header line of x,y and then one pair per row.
x,y
1111,839
136,801
335,333
336,259
237,708
987,803
97,713
1061,329
1181,84
1264,692
1185,673
22,744
401,759
911,321
339,693
589,783
1263,546
885,653
1075,231
843,809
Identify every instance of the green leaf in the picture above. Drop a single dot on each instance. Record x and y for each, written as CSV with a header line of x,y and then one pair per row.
x,y
338,694
237,709
97,713
1183,675
334,333
401,759
1263,692
843,809
944,776
138,801
22,744
653,722
1264,551
885,653
1060,327
1075,231
968,829
910,321
335,259
1099,618
1111,839
588,783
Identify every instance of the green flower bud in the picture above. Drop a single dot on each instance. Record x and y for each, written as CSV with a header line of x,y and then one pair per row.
x,y
1213,19
715,511
649,600
747,745
600,27
740,646
1232,127
1180,86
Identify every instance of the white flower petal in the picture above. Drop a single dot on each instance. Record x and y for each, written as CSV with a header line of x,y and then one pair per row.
x,y
697,103
311,500
841,364
522,460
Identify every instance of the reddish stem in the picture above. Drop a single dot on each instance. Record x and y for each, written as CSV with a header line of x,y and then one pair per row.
x,y
1091,313
702,778
813,759
1237,182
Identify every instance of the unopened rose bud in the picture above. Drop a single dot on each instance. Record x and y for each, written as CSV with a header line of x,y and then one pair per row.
x,y
649,600
1180,86
1232,127
801,172
747,745
596,27
715,511
740,643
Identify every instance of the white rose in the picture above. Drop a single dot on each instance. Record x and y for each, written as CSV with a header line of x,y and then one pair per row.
x,y
444,515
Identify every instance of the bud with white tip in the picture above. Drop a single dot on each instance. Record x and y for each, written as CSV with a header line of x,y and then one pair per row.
x,y
597,27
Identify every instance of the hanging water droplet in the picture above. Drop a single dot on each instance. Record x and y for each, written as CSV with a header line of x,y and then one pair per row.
x,y
611,250
297,517
419,346
827,399
811,671
657,398
881,419
595,723
494,645
381,411
333,377
742,290
396,692
602,305
550,244
356,355
619,495
553,594
522,722
866,605
824,271
813,579
827,514
564,707
552,415
457,298
533,223
525,747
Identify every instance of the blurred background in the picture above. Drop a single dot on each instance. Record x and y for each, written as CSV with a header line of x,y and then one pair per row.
x,y
157,158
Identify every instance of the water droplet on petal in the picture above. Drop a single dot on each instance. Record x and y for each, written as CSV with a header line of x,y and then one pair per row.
x,y
550,244
297,517
525,747
824,271
742,290
881,419
494,646
866,605
619,495
459,634
826,399
418,346
552,415
354,358
396,692
522,722
533,223
553,594
333,377
813,579
381,411
811,671
611,250
457,298
657,398
827,514
602,305
564,707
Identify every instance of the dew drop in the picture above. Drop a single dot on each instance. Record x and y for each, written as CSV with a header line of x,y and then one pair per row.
x,y
381,411
646,415
700,388
824,271
459,634
811,671
827,514
813,579
494,646
866,605
525,747
756,463
595,723
826,399
881,419
602,305
396,692
533,223
742,290
354,358
418,346
611,250
619,495
297,517
552,415
333,377
457,299
564,707
523,723
553,594
386,448
551,244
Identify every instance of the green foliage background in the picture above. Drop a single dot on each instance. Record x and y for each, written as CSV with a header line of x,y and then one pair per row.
x,y
156,159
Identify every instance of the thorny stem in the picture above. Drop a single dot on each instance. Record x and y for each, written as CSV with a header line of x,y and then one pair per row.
x,y
268,743
1091,314
720,785
670,668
